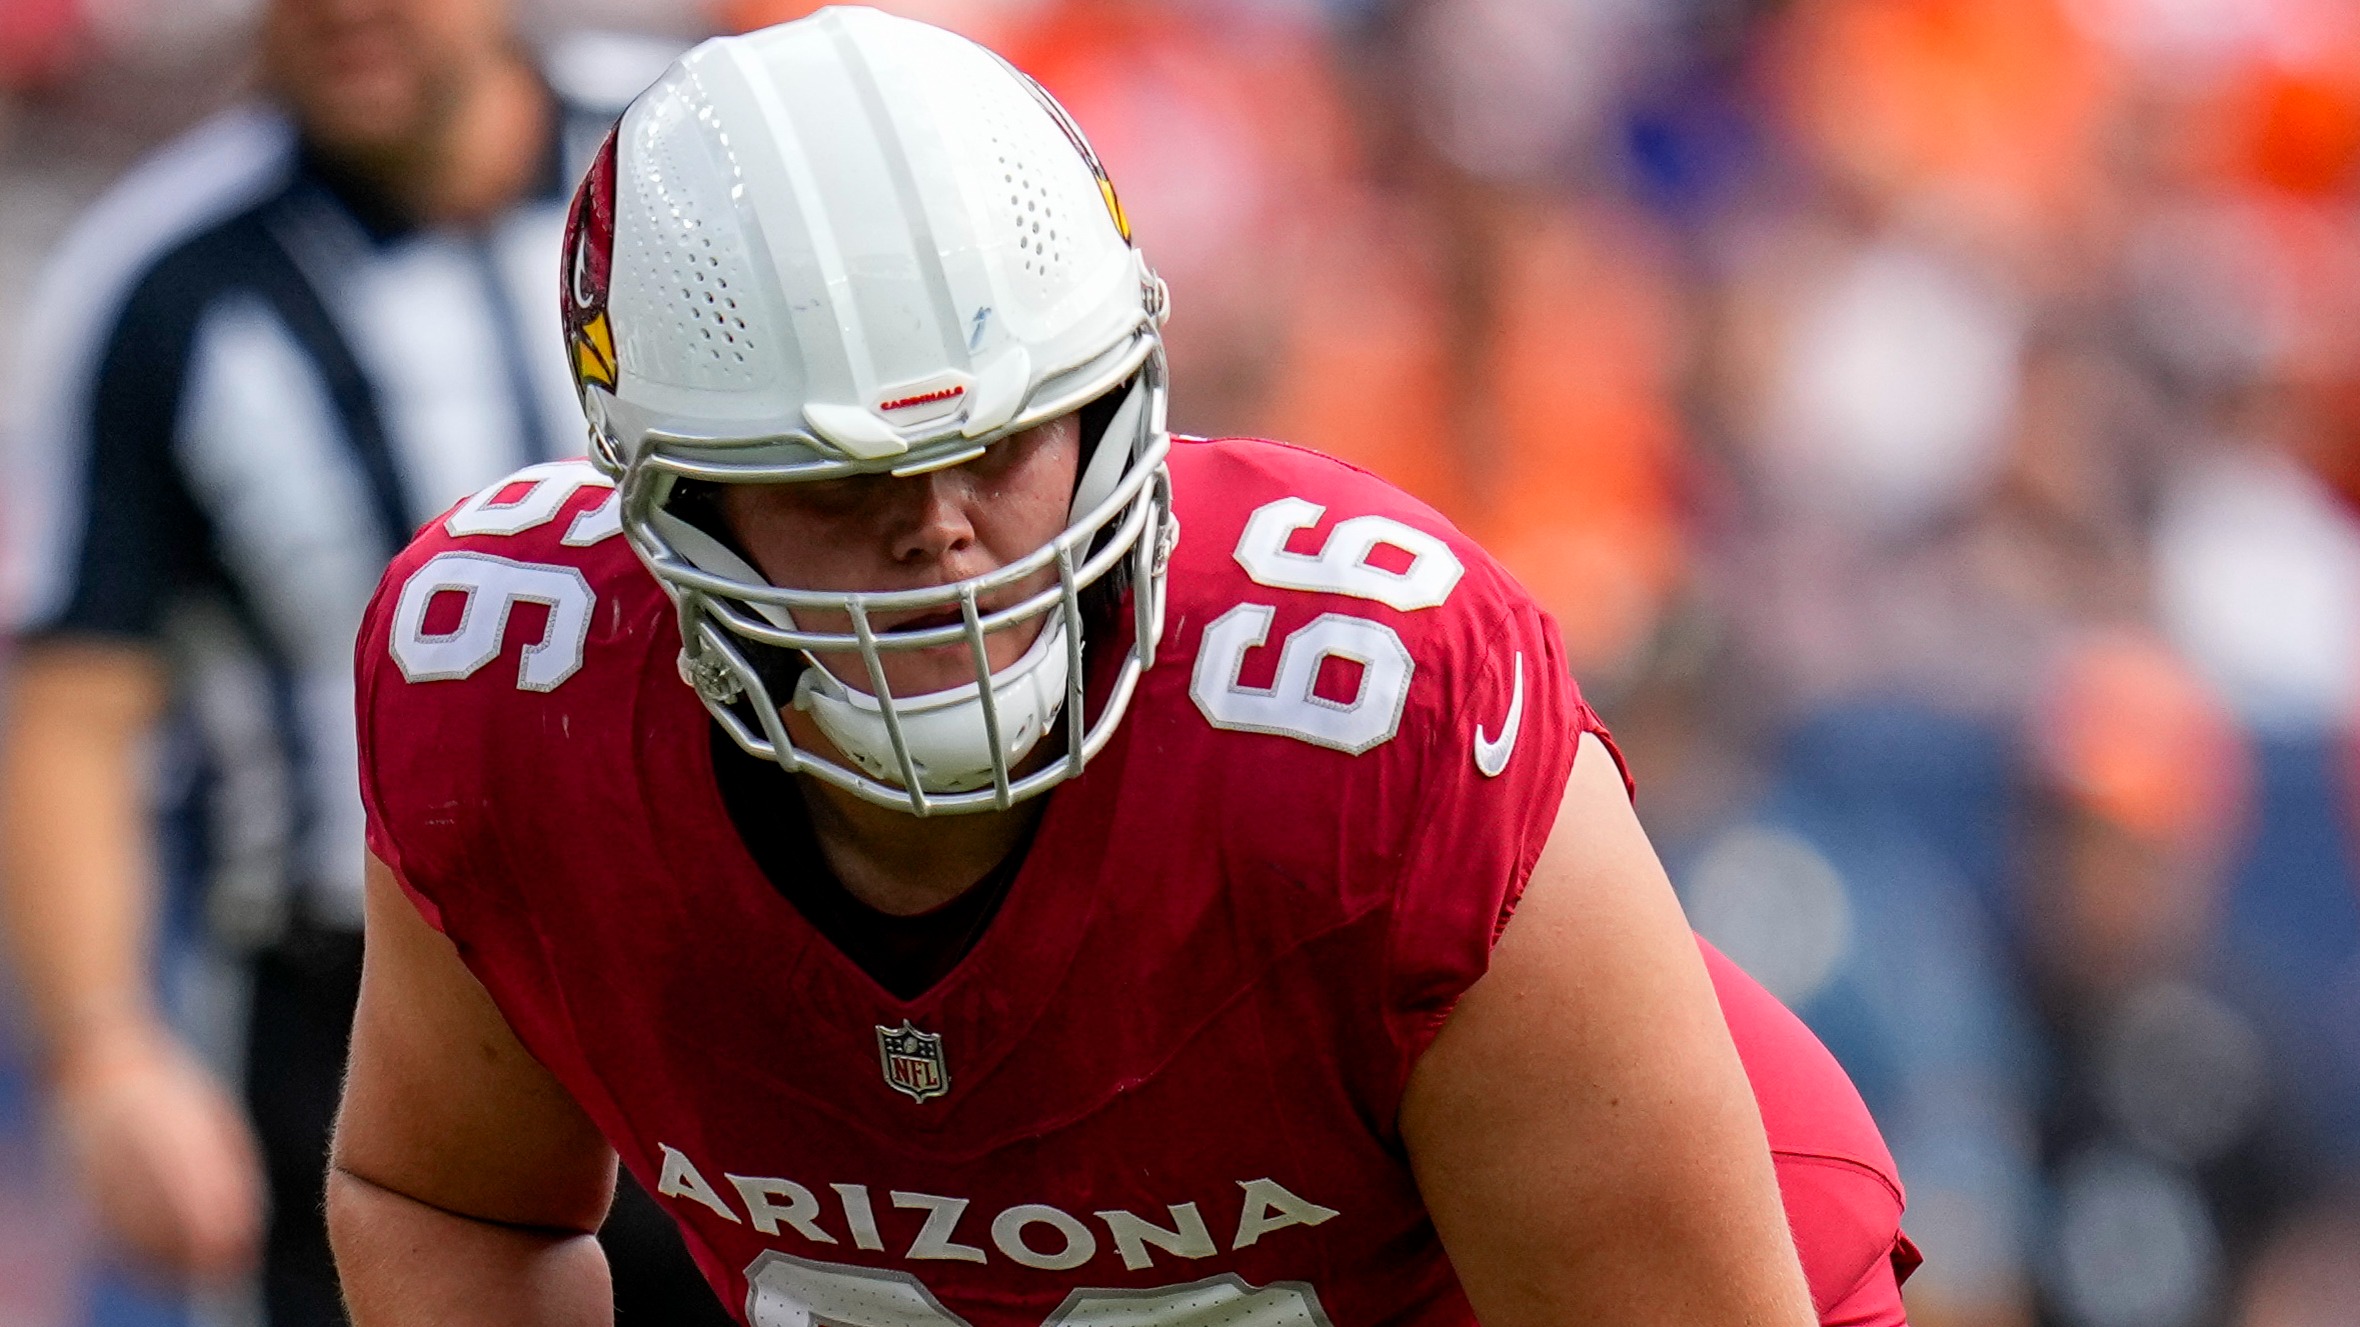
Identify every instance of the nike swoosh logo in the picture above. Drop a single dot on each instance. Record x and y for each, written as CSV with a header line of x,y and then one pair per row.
x,y
1491,753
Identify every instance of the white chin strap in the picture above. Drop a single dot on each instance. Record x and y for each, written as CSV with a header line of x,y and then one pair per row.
x,y
944,731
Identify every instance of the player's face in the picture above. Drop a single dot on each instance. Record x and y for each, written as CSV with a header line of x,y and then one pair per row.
x,y
378,76
876,532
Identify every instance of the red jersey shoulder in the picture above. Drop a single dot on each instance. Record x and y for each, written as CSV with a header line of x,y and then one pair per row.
x,y
1313,601
521,609
561,517
1383,708
1338,621
1280,517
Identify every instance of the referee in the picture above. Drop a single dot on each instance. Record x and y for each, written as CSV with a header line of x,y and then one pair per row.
x,y
257,365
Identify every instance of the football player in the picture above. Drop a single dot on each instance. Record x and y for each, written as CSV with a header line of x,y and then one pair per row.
x,y
980,859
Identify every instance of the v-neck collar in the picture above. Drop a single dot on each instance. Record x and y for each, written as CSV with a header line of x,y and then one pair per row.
x,y
772,820
982,1008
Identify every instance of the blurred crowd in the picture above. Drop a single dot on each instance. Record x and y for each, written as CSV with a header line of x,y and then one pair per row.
x,y
1935,425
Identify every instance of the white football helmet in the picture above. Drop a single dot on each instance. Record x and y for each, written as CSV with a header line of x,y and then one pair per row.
x,y
856,244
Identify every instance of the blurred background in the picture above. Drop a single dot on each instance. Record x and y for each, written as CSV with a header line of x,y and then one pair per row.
x,y
1936,426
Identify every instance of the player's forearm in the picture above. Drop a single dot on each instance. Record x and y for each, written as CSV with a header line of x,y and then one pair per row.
x,y
78,881
404,1263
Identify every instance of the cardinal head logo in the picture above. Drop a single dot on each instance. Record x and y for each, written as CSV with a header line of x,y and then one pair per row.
x,y
589,269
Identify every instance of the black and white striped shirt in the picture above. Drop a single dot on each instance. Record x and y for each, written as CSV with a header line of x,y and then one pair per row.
x,y
241,391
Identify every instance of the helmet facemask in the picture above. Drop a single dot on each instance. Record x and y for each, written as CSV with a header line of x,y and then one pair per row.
x,y
959,749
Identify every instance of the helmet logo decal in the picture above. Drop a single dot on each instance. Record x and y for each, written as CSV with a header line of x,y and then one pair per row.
x,y
924,400
589,271
1073,135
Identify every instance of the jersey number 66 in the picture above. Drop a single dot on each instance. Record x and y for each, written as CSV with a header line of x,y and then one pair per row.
x,y
1291,705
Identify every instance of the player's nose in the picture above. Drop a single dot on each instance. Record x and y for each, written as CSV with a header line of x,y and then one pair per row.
x,y
932,522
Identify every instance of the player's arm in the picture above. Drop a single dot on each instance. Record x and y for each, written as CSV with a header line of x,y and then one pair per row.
x,y
1581,1129
464,1185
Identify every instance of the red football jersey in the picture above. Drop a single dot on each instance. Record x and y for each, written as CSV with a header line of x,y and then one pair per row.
x,y
1162,1087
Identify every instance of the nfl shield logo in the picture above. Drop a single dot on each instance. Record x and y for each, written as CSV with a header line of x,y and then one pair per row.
x,y
913,1061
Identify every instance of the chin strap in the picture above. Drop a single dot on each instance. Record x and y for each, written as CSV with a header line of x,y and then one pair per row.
x,y
944,731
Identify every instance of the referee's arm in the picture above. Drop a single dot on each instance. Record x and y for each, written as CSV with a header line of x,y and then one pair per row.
x,y
161,1146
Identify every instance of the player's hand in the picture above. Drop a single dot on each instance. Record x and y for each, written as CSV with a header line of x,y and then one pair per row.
x,y
163,1152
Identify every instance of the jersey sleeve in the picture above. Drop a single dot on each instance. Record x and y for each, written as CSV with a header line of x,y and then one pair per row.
x,y
1497,757
428,747
447,741
514,612
372,661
